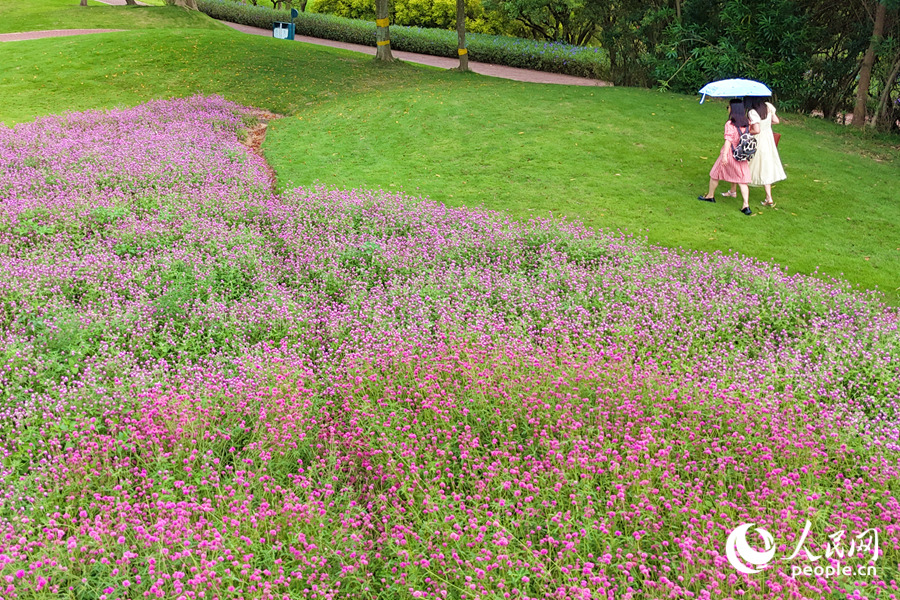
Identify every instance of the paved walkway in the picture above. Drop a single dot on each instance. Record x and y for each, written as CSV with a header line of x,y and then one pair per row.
x,y
440,61
33,35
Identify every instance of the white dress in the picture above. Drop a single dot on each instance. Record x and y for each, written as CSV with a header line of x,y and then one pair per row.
x,y
765,166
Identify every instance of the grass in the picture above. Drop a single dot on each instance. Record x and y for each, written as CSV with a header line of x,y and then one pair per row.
x,y
67,14
613,158
111,69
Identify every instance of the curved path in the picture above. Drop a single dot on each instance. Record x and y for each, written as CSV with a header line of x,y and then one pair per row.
x,y
34,35
501,71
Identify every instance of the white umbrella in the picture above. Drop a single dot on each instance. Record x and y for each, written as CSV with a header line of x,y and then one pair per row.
x,y
734,88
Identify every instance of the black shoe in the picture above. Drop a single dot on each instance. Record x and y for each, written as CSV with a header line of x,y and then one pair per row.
x,y
746,210
705,199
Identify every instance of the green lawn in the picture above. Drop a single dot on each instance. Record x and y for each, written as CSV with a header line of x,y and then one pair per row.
x,y
612,157
67,14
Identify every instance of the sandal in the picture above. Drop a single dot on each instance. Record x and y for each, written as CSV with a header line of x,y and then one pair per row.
x,y
770,203
729,194
746,210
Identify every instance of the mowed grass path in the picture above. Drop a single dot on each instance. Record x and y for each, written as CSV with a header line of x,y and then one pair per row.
x,y
614,158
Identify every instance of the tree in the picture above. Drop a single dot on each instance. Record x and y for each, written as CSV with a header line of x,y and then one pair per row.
x,y
865,71
188,4
83,2
631,31
769,40
461,35
570,21
884,116
382,31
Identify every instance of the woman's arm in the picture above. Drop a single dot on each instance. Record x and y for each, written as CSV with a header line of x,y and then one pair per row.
x,y
753,116
775,119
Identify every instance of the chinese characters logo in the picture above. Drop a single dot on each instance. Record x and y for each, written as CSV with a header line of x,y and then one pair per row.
x,y
748,560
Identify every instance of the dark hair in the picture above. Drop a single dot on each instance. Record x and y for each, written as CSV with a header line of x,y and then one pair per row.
x,y
738,114
757,103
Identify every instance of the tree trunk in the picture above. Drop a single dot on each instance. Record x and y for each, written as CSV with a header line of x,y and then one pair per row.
x,y
461,34
83,2
865,72
130,3
881,121
382,31
303,5
188,4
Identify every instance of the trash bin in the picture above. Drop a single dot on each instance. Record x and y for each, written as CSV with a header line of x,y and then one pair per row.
x,y
283,31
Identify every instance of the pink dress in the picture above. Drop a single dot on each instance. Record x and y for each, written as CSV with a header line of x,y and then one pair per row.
x,y
726,168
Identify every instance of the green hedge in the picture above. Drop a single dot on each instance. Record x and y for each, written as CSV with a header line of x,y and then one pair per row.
x,y
496,49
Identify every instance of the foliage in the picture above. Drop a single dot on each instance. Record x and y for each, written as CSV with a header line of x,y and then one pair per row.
x,y
440,14
513,52
841,38
631,32
569,21
755,39
349,9
807,51
371,393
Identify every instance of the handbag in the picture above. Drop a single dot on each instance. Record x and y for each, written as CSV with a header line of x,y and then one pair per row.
x,y
777,137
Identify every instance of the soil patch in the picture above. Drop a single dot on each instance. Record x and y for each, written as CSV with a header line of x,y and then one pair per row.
x,y
256,135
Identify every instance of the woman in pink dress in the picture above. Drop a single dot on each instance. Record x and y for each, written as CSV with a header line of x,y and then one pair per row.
x,y
726,167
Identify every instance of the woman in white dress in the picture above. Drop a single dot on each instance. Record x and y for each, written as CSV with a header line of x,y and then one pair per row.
x,y
765,166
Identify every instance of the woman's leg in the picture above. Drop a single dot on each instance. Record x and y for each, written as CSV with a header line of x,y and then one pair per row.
x,y
732,192
745,194
713,184
769,200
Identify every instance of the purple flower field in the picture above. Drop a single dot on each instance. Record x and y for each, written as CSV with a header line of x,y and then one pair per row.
x,y
212,390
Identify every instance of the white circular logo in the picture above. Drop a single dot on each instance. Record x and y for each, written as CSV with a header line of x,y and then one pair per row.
x,y
739,551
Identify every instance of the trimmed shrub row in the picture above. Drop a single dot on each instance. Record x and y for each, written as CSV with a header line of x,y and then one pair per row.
x,y
496,49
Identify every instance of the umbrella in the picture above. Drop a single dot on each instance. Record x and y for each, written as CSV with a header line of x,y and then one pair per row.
x,y
733,88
